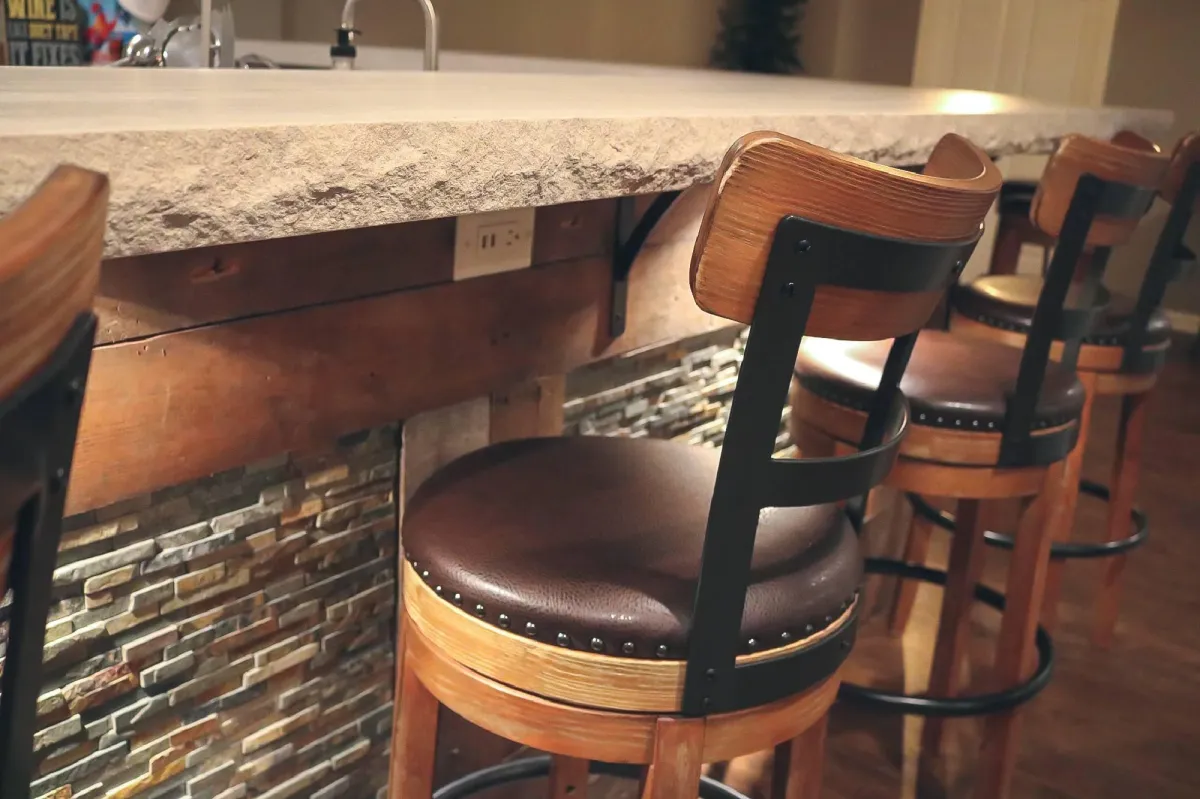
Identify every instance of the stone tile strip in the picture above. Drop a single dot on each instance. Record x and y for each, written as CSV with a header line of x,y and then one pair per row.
x,y
90,567
352,754
195,687
193,581
260,765
96,533
337,788
167,670
280,729
207,783
184,535
79,769
244,636
151,595
102,582
150,644
239,579
57,733
296,784
99,688
257,675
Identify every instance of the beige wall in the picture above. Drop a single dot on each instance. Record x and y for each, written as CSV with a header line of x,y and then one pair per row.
x,y
847,39
864,40
674,32
253,19
1156,62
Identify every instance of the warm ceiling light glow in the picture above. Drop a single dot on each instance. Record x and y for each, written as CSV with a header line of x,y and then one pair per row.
x,y
961,101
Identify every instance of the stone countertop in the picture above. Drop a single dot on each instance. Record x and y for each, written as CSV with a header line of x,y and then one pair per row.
x,y
205,157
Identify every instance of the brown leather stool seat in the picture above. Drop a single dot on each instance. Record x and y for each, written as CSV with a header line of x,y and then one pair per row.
x,y
1008,302
953,382
594,544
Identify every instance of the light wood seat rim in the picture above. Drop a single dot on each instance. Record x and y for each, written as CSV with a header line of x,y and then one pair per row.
x,y
946,446
614,737
1092,357
581,678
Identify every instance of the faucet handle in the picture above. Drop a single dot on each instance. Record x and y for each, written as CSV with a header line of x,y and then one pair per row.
x,y
344,52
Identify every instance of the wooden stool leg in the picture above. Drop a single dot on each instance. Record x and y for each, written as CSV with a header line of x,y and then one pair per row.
x,y
678,755
916,549
1015,648
800,763
1120,504
568,778
1006,252
1062,516
966,565
416,739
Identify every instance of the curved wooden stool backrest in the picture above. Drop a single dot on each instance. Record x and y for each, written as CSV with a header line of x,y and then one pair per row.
x,y
767,176
1128,158
50,251
797,240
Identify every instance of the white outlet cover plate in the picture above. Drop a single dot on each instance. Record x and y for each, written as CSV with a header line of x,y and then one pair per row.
x,y
492,242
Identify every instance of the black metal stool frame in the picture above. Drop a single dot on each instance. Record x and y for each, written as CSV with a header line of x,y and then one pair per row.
x,y
804,255
38,426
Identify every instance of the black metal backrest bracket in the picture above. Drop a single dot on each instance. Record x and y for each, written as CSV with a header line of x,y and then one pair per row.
x,y
803,256
793,483
1164,267
38,425
631,237
1047,318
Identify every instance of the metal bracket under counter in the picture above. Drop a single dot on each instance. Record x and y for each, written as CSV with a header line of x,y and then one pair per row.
x,y
631,237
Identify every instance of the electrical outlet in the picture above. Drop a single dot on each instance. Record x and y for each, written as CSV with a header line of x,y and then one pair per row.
x,y
497,241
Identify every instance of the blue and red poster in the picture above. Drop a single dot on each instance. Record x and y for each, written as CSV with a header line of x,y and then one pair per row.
x,y
64,32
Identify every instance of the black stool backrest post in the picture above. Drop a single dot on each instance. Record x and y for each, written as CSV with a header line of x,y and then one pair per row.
x,y
49,268
1182,190
800,241
1092,196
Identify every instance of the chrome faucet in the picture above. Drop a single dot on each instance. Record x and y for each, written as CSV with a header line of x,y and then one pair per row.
x,y
343,52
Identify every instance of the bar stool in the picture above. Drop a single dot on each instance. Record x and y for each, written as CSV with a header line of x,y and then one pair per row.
x,y
49,267
649,604
989,422
1122,355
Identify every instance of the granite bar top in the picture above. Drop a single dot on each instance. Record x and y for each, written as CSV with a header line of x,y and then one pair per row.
x,y
205,157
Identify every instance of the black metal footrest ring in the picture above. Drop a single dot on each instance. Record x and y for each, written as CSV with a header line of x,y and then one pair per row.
x,y
539,766
977,705
1059,550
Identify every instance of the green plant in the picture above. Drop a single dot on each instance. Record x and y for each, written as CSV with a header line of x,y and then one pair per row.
x,y
760,36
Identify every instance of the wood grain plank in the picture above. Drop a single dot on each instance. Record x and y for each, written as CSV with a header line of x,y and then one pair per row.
x,y
767,176
573,230
146,295
529,408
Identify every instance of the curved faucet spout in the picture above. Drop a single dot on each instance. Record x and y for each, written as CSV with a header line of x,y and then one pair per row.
x,y
431,29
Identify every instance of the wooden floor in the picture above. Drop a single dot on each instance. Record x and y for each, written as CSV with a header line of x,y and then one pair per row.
x,y
1122,723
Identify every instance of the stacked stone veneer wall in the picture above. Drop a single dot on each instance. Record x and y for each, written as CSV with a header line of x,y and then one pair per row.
x,y
682,392
231,637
